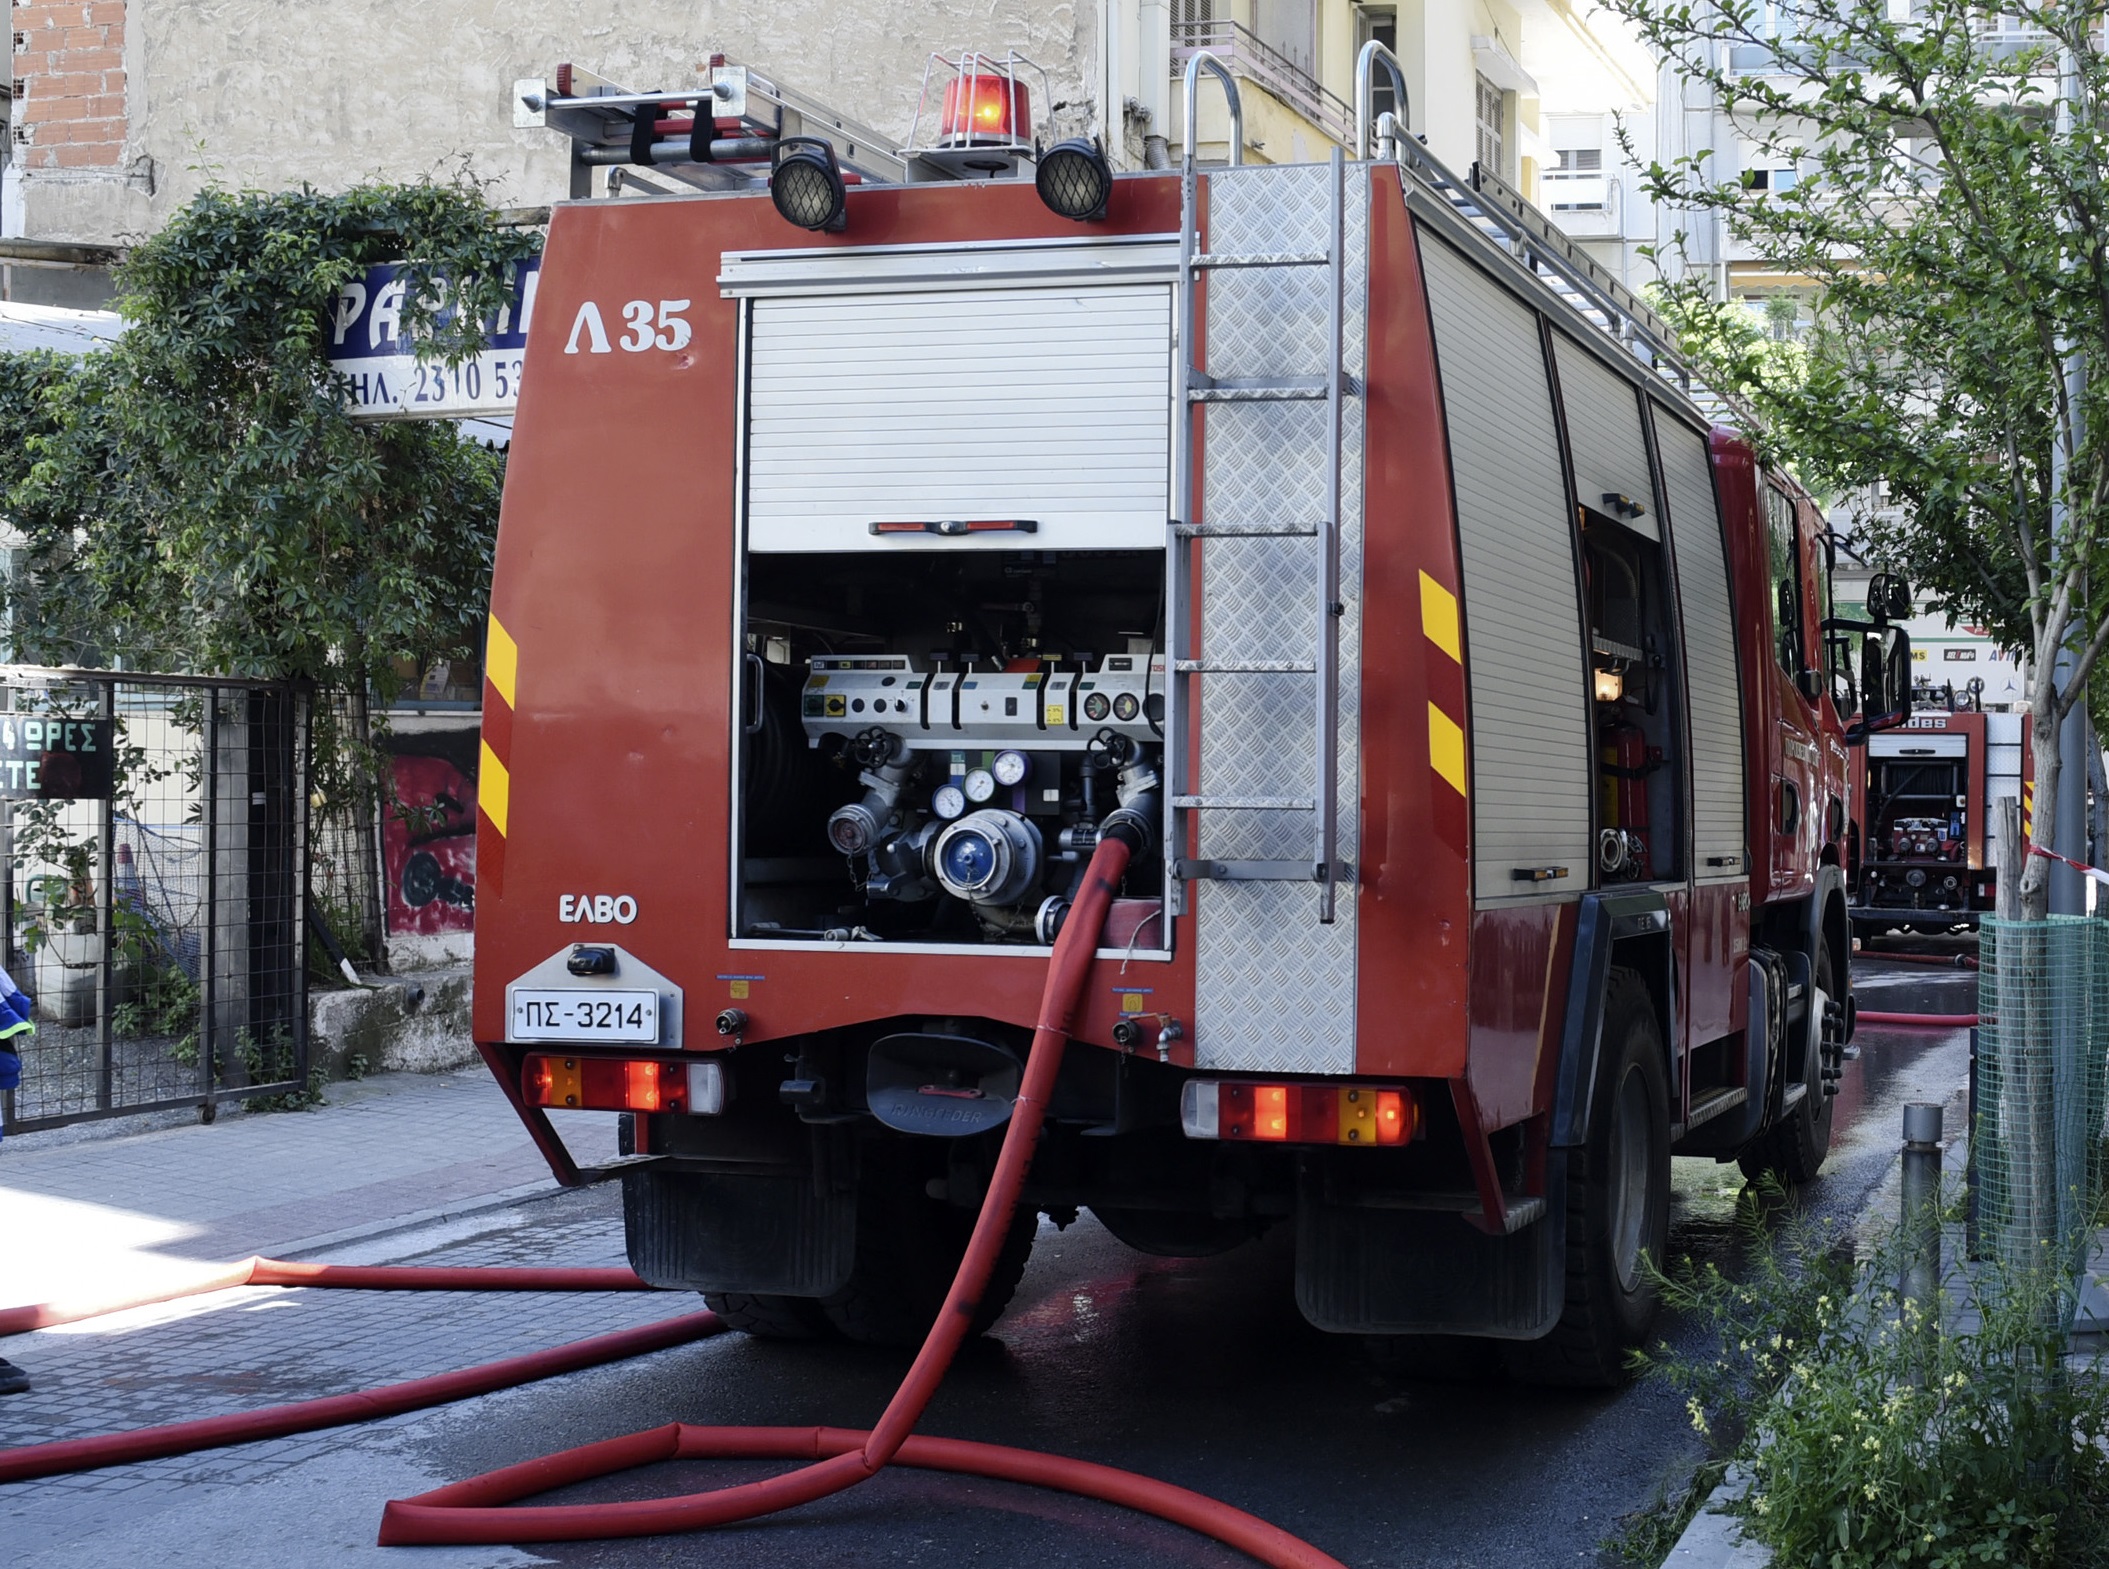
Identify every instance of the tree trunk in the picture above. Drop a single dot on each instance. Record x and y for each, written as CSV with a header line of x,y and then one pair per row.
x,y
2043,816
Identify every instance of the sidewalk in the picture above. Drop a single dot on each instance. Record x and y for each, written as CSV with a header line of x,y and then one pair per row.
x,y
85,1214
403,1166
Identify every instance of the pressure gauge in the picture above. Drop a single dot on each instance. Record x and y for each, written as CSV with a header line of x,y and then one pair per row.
x,y
980,786
948,802
1126,706
1009,768
1097,706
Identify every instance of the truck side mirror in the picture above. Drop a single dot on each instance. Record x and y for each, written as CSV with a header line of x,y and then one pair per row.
x,y
1898,654
1885,679
1888,598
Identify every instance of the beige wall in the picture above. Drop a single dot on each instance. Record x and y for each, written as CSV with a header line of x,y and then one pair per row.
x,y
270,93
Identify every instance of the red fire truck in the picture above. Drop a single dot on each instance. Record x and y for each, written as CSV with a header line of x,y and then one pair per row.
x,y
880,537
1924,851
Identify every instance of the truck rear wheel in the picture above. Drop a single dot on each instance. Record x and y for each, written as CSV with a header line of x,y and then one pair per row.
x,y
908,1249
1793,1149
770,1317
1618,1205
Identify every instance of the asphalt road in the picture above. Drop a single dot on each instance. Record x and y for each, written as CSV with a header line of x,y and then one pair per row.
x,y
1202,1373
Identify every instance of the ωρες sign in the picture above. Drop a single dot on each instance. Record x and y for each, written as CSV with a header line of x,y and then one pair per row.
x,y
49,758
386,380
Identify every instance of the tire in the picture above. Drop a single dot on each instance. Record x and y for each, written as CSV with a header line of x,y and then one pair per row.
x,y
770,1317
1618,1206
1793,1149
908,1249
1173,1233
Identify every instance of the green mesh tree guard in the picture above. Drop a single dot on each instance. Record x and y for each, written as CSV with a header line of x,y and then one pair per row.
x,y
2042,1086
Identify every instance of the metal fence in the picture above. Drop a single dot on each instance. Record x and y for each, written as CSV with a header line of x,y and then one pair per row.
x,y
2041,1086
155,836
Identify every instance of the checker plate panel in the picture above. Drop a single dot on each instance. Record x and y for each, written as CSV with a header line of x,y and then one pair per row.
x,y
1276,989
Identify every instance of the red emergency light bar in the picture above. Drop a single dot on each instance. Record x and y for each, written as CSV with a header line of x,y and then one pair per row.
x,y
1367,1114
984,109
623,1084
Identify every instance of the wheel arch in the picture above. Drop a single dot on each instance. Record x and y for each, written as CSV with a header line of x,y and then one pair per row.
x,y
1627,931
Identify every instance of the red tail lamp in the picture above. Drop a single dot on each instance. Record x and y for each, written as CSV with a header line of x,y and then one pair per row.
x,y
985,111
623,1084
1366,1114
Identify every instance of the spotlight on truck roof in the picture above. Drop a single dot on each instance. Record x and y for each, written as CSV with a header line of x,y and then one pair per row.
x,y
1074,180
805,183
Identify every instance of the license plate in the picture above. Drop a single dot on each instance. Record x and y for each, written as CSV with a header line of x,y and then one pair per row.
x,y
624,1018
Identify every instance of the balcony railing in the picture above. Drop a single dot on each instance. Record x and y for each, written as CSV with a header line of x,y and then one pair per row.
x,y
1265,67
1577,190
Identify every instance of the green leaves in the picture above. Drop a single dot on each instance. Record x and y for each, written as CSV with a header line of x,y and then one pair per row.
x,y
198,498
1946,225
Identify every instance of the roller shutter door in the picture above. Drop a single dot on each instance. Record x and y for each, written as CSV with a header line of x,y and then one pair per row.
x,y
1048,404
1719,853
1531,769
1604,435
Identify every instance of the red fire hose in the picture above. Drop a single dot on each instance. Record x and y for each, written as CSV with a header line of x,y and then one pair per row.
x,y
366,1405
366,1277
470,1511
1919,1021
1953,961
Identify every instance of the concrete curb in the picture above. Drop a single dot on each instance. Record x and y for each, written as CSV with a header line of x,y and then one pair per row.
x,y
465,1209
1715,1540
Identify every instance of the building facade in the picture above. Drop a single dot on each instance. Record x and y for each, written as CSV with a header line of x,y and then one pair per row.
x,y
119,111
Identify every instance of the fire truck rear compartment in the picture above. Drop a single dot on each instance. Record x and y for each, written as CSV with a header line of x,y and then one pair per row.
x,y
933,741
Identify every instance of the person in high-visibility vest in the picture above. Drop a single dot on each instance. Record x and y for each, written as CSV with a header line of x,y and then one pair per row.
x,y
15,1024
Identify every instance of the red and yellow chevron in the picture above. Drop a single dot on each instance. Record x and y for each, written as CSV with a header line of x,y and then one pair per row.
x,y
501,675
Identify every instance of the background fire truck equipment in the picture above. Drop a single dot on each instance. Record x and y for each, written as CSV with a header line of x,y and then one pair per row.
x,y
971,539
1926,849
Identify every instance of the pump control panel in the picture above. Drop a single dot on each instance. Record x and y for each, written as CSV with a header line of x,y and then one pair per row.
x,y
1050,708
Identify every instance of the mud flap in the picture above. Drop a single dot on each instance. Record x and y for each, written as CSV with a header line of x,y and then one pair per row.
x,y
709,1231
1362,1269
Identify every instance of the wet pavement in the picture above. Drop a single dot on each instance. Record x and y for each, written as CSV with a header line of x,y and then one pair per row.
x,y
1196,1371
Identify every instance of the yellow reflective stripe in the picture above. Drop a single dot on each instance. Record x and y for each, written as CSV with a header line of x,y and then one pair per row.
x,y
1439,618
501,662
493,787
1446,748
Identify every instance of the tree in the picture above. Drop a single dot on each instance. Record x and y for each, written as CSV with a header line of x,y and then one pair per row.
x,y
199,497
1952,217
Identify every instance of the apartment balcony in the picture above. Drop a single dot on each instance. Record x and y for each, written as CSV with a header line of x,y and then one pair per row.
x,y
1252,60
1588,204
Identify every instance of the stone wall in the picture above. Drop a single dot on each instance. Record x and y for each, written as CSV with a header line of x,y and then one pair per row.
x,y
158,98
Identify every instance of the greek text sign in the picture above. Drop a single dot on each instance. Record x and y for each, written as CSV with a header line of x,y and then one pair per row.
x,y
54,759
386,380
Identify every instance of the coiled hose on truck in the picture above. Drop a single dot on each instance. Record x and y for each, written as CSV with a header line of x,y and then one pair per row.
x,y
473,1511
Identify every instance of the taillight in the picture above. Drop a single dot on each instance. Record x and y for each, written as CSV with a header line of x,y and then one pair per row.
x,y
623,1084
1371,1114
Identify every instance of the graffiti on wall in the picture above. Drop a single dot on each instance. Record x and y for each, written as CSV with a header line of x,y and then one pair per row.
x,y
428,837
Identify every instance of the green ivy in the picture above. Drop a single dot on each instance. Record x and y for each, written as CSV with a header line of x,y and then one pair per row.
x,y
199,498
